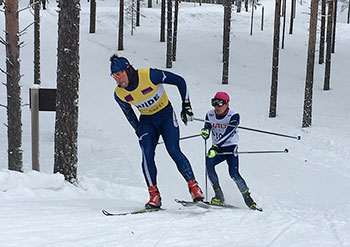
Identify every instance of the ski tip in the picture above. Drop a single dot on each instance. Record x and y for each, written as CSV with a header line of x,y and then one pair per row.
x,y
286,150
298,138
105,212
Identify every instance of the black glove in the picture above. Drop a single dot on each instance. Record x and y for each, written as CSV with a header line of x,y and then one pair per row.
x,y
186,113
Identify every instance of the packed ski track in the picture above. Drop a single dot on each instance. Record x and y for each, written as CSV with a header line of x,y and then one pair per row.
x,y
303,193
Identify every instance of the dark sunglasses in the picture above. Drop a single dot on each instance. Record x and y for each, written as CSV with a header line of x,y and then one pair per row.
x,y
218,102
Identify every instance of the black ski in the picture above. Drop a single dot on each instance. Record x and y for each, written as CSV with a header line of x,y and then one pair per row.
x,y
221,205
211,205
189,203
132,212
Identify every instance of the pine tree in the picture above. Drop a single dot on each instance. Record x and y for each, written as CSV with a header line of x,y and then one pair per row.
x,y
66,129
310,65
226,41
327,76
169,57
275,60
14,112
121,26
37,7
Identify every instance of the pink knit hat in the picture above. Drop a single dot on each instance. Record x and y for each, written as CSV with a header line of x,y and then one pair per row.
x,y
222,95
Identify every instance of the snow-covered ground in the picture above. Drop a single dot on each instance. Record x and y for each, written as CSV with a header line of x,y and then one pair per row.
x,y
304,194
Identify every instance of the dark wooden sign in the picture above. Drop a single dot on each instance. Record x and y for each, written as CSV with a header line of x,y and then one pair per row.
x,y
47,99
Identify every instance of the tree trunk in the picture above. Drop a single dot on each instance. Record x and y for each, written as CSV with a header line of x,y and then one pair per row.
x,y
162,22
246,5
239,6
348,13
334,24
92,16
226,41
169,57
37,43
44,4
310,66
149,4
262,18
138,12
175,28
275,60
14,111
292,16
132,16
121,26
329,45
322,32
252,18
66,128
284,13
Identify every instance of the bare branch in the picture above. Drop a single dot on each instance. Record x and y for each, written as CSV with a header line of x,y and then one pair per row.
x,y
26,104
3,71
9,61
2,41
3,106
29,6
25,29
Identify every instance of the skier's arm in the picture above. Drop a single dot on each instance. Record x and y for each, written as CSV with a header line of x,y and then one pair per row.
x,y
128,112
166,77
230,131
207,125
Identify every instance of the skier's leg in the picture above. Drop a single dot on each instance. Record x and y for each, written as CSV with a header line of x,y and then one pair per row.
x,y
171,134
148,140
232,161
214,179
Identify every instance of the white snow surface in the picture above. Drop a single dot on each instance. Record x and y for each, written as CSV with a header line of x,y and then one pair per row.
x,y
304,193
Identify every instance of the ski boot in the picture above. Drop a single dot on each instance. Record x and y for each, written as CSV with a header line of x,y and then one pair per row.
x,y
155,200
249,201
218,199
196,192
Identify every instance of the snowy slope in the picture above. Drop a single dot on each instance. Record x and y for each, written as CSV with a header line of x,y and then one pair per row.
x,y
304,193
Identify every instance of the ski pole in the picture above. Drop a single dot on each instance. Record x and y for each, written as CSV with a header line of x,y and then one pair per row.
x,y
185,137
256,152
251,129
206,171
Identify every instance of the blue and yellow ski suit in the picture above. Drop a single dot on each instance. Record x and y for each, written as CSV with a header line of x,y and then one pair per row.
x,y
157,118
